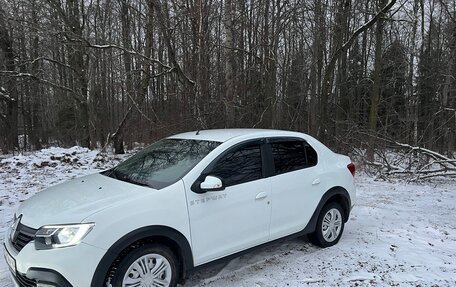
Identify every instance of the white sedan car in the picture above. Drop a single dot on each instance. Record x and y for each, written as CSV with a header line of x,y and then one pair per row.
x,y
183,202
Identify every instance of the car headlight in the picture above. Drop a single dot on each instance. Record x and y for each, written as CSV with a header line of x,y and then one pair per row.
x,y
58,236
13,225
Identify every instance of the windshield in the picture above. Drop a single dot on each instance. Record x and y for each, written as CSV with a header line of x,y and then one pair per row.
x,y
162,163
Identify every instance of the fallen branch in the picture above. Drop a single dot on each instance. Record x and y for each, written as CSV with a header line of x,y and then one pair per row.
x,y
412,163
428,152
435,175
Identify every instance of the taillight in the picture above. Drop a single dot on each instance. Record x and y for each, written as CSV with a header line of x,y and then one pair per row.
x,y
351,167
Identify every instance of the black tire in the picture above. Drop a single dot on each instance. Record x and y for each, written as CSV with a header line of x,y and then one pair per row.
x,y
317,237
151,249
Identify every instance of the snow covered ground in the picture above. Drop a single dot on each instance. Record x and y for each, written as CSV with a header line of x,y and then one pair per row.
x,y
399,234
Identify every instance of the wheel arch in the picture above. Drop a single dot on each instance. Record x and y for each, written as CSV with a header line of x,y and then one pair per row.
x,y
157,234
335,194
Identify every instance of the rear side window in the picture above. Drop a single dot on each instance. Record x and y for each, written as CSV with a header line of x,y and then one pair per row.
x,y
240,166
292,155
288,156
311,154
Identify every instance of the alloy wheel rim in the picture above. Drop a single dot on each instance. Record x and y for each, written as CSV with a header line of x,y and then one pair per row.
x,y
331,225
151,270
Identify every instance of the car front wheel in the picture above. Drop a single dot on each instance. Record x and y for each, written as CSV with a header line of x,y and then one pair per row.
x,y
330,226
151,265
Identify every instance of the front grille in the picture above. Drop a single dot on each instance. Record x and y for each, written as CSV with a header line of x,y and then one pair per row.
x,y
23,235
23,281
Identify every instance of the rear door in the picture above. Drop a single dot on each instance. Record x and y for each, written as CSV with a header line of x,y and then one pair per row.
x,y
295,185
236,218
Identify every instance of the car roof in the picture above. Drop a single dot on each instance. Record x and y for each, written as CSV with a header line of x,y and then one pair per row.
x,y
223,135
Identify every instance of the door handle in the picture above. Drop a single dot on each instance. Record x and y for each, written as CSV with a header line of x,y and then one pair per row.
x,y
316,181
261,195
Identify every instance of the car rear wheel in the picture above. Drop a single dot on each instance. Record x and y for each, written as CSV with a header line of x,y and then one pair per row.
x,y
151,265
330,226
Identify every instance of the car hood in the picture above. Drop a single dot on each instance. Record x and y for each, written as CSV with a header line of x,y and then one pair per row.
x,y
74,200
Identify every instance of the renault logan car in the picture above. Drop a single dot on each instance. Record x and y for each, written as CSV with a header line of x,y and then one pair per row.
x,y
183,202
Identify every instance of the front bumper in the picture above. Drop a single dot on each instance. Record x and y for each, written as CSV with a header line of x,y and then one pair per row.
x,y
64,267
36,276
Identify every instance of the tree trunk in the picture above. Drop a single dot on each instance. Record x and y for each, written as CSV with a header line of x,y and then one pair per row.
x,y
36,122
10,95
118,136
342,97
138,102
373,113
449,93
412,100
317,67
74,32
230,91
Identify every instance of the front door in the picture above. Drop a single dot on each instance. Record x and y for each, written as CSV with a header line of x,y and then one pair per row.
x,y
236,218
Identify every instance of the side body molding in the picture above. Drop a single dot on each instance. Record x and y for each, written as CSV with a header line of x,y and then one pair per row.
x,y
160,234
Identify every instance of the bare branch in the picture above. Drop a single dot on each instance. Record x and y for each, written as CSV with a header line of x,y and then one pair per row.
x,y
77,96
358,32
167,38
135,104
112,46
247,52
47,60
4,96
447,10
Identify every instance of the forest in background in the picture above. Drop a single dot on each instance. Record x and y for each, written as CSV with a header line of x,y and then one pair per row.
x,y
93,72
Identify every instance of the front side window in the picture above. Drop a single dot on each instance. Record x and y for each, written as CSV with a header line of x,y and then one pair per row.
x,y
162,163
239,166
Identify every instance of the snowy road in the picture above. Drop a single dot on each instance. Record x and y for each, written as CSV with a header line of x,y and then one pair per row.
x,y
398,235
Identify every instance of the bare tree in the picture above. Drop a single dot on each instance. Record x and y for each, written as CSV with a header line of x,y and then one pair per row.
x,y
100,72
8,92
